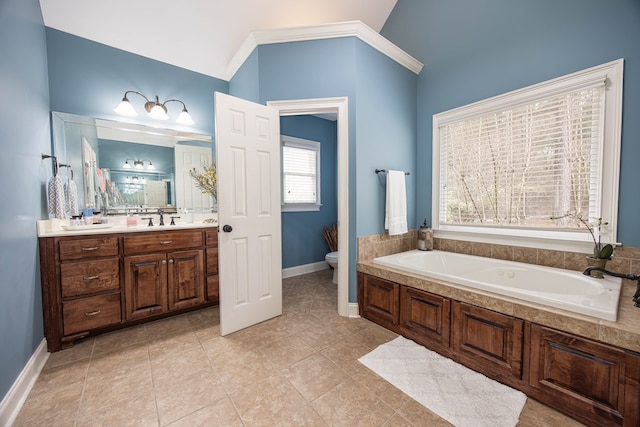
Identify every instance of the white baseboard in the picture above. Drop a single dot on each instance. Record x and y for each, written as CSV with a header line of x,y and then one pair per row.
x,y
15,398
352,310
304,269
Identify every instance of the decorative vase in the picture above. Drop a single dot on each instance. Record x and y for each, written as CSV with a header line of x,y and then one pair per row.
x,y
597,262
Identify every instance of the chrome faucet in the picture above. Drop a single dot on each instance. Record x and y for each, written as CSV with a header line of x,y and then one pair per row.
x,y
636,297
161,213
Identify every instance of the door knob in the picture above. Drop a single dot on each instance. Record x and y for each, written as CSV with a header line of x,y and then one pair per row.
x,y
227,228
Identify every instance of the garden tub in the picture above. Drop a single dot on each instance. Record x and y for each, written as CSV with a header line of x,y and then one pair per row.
x,y
554,287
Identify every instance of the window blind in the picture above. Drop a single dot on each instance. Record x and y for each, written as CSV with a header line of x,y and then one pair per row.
x,y
299,167
519,166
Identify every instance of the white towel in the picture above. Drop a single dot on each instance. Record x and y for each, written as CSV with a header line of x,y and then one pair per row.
x,y
71,197
395,219
56,197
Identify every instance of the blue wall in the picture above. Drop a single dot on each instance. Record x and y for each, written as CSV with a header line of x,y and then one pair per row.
x,y
474,50
89,79
384,93
302,241
24,136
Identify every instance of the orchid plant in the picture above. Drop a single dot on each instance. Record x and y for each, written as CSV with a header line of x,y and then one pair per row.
x,y
600,251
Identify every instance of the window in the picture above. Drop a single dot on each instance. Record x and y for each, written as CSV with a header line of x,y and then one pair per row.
x,y
300,174
503,166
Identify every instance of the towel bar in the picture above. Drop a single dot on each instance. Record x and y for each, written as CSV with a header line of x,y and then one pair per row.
x,y
385,171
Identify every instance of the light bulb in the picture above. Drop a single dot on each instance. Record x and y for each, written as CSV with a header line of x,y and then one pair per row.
x,y
125,108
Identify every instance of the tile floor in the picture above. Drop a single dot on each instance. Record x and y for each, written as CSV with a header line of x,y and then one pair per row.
x,y
294,370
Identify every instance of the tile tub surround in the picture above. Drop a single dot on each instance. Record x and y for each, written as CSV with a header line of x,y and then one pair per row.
x,y
297,369
625,332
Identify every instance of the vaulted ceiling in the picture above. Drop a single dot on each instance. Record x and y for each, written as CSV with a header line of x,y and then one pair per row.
x,y
199,35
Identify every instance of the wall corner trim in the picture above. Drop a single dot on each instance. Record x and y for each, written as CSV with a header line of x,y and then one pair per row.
x,y
318,32
19,391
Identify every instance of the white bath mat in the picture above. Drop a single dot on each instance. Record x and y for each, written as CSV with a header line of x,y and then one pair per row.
x,y
456,393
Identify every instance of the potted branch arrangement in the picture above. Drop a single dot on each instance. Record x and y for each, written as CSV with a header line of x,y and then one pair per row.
x,y
207,182
601,252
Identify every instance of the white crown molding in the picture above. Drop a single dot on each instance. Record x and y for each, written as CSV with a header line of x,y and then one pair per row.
x,y
328,31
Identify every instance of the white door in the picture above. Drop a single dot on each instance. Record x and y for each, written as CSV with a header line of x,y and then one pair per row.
x,y
250,256
189,196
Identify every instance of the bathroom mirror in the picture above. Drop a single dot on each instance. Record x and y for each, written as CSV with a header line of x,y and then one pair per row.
x,y
121,167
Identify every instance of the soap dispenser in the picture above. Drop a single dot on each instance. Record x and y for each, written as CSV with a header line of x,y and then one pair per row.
x,y
425,237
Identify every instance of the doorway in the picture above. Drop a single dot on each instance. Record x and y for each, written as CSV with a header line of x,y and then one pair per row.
x,y
338,106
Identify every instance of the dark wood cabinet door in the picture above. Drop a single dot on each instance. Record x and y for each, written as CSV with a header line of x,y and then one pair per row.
x,y
424,317
488,342
185,279
593,382
381,301
145,285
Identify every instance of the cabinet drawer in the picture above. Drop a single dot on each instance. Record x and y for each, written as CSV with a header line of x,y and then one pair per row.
x,y
156,242
82,278
88,248
211,237
213,288
212,260
88,313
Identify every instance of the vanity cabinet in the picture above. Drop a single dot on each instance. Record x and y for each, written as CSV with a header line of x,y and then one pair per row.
x,y
488,341
380,301
168,279
595,383
89,277
97,283
425,318
592,381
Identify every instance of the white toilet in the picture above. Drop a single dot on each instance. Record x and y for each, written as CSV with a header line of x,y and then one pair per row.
x,y
332,260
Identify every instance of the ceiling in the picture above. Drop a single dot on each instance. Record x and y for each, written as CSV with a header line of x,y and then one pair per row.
x,y
199,35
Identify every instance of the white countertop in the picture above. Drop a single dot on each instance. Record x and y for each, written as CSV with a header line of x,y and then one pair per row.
x,y
117,224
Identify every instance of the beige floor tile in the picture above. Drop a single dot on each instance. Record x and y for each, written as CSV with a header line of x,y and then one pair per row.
x,y
138,412
381,388
286,351
172,367
124,384
535,414
418,415
80,351
373,335
117,362
267,402
220,413
350,404
166,327
120,339
174,344
345,354
305,417
51,406
320,336
299,369
314,376
245,370
192,393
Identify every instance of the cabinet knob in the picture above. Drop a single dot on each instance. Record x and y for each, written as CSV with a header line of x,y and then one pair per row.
x,y
227,228
164,261
171,261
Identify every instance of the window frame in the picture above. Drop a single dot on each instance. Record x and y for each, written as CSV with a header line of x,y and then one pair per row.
x,y
611,74
305,144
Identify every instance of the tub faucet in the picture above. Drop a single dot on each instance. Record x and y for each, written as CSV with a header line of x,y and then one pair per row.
x,y
636,297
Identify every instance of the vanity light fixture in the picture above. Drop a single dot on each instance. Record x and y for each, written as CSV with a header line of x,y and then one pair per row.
x,y
155,109
138,164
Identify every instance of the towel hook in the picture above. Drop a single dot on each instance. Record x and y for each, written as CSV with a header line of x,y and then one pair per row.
x,y
54,160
